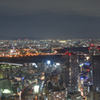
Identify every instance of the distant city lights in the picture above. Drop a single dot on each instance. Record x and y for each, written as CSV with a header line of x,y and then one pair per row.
x,y
6,91
23,78
81,64
48,62
81,78
34,64
57,64
86,63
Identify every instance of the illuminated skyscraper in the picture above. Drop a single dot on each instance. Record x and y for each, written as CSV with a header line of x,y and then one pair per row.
x,y
70,72
96,73
93,50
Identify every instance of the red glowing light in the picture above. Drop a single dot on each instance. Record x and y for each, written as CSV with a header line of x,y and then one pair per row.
x,y
98,48
88,70
92,45
69,54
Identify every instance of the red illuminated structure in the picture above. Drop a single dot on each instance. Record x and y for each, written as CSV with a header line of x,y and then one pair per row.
x,y
94,50
69,53
70,71
88,70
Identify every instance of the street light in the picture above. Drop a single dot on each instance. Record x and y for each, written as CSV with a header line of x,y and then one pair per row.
x,y
48,62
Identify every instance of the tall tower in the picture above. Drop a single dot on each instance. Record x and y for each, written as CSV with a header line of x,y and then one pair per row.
x,y
96,73
70,71
95,66
93,50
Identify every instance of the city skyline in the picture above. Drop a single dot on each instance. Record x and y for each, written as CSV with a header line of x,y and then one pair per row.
x,y
49,19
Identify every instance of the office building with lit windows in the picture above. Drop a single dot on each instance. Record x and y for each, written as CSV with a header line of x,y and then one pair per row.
x,y
70,72
96,73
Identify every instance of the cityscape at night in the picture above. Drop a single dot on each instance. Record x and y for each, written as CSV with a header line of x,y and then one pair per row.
x,y
49,50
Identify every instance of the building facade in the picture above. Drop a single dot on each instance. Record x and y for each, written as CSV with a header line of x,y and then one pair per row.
x,y
70,72
96,73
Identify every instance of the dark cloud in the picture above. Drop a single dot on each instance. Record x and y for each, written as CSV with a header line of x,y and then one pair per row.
x,y
49,18
85,7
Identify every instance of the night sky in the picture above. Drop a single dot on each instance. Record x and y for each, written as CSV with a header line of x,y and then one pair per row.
x,y
49,19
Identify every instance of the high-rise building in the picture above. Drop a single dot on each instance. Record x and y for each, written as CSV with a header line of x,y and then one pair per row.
x,y
96,73
95,66
70,71
93,50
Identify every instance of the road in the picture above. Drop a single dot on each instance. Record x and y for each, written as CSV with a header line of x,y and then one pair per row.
x,y
27,90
